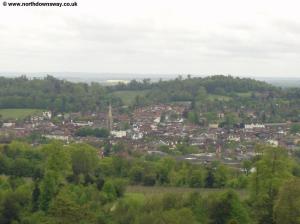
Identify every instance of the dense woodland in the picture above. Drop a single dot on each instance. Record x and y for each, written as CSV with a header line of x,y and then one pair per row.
x,y
53,183
51,93
235,97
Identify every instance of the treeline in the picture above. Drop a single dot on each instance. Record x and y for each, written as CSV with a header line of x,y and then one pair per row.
x,y
250,100
63,96
54,183
218,84
52,94
187,89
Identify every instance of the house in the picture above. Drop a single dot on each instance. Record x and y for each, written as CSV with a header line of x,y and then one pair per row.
x,y
252,126
213,125
118,134
273,142
137,135
47,115
57,137
82,124
8,125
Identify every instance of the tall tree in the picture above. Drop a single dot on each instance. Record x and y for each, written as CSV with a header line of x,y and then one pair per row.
x,y
287,207
272,169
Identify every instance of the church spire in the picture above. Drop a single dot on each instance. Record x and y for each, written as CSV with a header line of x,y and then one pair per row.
x,y
109,118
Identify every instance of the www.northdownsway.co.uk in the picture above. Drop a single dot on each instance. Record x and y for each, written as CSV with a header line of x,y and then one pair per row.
x,y
49,4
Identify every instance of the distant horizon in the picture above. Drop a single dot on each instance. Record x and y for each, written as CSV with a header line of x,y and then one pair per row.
x,y
142,74
88,77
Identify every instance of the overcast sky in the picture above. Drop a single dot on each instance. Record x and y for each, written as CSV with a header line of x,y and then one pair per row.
x,y
238,37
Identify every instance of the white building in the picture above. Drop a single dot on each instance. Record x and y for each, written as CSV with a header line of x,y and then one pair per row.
x,y
8,125
82,124
47,114
273,142
57,137
252,126
118,134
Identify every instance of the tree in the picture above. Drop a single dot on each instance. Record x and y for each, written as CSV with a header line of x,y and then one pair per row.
x,y
117,148
210,179
136,174
58,159
201,94
83,159
193,117
109,190
287,206
272,170
199,206
9,209
1,120
12,203
230,120
247,165
196,178
120,187
49,188
295,128
220,175
229,209
35,197
64,210
175,216
149,178
163,170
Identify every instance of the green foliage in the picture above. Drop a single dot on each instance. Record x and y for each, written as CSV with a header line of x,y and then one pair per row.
x,y
73,184
12,203
109,191
65,210
229,209
83,159
19,159
128,97
136,174
295,128
186,149
49,188
209,96
51,93
18,114
193,117
230,120
196,178
217,175
58,158
272,169
149,179
10,209
287,206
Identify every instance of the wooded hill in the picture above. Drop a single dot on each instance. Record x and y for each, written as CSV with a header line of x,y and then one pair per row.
x,y
210,94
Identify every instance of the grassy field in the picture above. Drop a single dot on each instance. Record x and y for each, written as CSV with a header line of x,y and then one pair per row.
x,y
140,191
128,96
218,97
18,113
246,94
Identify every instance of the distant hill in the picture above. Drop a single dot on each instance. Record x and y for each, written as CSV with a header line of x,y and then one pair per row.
x,y
88,77
214,94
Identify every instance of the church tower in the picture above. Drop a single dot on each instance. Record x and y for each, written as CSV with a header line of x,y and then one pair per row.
x,y
109,118
219,152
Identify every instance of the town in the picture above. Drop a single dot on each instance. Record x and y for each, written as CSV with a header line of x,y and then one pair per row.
x,y
158,129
